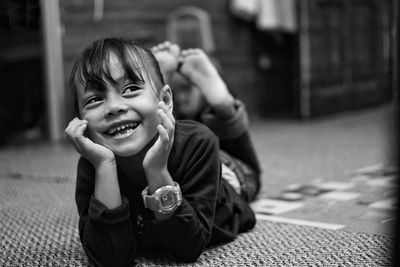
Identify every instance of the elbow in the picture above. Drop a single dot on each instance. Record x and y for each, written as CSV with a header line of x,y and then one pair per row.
x,y
191,254
110,256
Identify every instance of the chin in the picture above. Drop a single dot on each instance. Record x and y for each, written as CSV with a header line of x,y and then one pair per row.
x,y
126,151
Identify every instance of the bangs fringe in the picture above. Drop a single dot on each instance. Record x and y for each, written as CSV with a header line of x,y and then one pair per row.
x,y
94,67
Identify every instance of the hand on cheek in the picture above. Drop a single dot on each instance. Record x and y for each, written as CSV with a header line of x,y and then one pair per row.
x,y
167,120
156,159
95,153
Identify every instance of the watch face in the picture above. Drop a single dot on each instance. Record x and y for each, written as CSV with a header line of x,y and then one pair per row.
x,y
167,200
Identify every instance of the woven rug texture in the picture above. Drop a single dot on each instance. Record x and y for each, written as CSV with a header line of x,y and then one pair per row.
x,y
38,227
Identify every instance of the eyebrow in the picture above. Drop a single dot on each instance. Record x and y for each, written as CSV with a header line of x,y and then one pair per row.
x,y
91,84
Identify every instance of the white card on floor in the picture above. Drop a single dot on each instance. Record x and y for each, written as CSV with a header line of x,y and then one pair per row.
x,y
336,185
272,206
382,181
273,218
386,204
340,195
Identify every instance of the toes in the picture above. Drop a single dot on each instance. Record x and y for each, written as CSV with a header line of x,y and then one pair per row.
x,y
175,50
162,46
191,51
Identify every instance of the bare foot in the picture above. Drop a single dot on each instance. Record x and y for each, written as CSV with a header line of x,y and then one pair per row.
x,y
198,69
167,55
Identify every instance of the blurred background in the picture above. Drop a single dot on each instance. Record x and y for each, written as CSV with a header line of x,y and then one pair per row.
x,y
297,59
319,79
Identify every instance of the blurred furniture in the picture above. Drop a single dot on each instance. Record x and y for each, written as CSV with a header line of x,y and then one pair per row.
x,y
344,51
189,27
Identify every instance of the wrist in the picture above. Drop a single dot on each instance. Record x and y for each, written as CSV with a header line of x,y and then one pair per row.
x,y
164,201
106,188
106,163
157,179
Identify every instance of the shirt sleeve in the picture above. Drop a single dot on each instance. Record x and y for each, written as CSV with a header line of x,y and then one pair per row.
x,y
106,234
230,128
188,232
233,134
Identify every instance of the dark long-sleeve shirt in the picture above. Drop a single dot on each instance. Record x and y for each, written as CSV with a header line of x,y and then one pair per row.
x,y
211,211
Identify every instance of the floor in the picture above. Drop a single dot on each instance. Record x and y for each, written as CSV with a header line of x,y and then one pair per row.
x,y
301,157
297,157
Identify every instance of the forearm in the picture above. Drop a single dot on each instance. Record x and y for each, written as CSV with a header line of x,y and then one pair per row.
x,y
233,133
185,235
106,188
107,235
232,125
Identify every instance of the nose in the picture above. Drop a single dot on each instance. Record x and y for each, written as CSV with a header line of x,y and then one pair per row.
x,y
115,106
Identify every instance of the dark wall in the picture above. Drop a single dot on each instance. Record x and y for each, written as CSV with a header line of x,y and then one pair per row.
x,y
22,104
145,20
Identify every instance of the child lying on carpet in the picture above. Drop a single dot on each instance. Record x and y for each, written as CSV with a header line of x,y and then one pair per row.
x,y
148,184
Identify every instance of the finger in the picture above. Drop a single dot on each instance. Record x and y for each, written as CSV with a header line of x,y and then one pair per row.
x,y
70,131
168,126
70,124
163,136
167,110
83,143
74,122
166,121
78,139
75,130
78,128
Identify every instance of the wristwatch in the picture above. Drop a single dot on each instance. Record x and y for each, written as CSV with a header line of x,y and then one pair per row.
x,y
166,199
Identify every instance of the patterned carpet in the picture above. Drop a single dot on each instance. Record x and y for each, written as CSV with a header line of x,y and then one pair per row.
x,y
38,227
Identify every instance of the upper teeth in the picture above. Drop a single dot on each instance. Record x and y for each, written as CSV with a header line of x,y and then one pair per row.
x,y
121,127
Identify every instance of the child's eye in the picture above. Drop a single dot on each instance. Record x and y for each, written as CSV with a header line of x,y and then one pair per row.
x,y
93,100
130,88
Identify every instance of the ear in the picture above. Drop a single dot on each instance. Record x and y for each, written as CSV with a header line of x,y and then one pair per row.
x,y
166,96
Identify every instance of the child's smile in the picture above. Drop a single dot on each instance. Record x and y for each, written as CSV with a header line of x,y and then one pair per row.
x,y
122,130
123,115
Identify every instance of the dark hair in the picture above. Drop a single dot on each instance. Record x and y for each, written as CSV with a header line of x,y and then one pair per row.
x,y
92,66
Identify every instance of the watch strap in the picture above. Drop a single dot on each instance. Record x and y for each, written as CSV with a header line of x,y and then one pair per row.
x,y
154,202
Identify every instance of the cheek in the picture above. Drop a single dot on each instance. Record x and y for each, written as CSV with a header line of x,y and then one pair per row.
x,y
93,124
85,114
91,133
148,107
93,116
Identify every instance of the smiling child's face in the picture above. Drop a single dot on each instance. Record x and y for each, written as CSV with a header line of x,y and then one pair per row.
x,y
123,115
